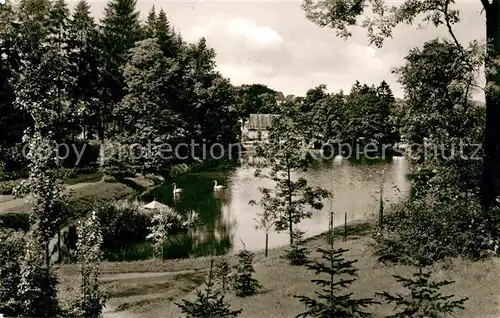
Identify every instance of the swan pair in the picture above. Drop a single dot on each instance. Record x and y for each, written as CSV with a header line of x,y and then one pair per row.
x,y
179,190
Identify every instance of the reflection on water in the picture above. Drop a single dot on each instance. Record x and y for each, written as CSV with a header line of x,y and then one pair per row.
x,y
228,220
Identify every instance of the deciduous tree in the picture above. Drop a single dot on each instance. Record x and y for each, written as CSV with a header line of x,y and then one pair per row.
x,y
91,299
342,15
285,154
161,223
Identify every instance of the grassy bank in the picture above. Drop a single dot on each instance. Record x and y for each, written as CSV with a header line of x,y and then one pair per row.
x,y
8,181
80,195
150,288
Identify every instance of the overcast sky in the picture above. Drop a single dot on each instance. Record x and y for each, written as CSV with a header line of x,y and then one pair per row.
x,y
272,43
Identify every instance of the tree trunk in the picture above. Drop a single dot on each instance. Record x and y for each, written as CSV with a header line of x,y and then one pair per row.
x,y
290,221
59,252
162,251
267,243
491,164
47,254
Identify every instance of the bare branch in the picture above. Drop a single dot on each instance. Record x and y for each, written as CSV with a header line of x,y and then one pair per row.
x,y
486,5
448,23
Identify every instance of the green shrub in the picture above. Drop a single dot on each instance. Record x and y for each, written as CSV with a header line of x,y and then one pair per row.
x,y
114,169
434,228
177,170
7,187
122,225
15,221
177,247
12,246
135,252
13,175
297,253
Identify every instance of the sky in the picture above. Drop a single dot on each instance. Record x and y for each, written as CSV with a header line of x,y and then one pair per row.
x,y
272,43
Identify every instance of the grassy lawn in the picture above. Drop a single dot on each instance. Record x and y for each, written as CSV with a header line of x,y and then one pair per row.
x,y
154,294
85,190
90,177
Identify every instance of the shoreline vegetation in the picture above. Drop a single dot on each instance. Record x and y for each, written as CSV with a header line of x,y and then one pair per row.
x,y
94,185
87,195
102,194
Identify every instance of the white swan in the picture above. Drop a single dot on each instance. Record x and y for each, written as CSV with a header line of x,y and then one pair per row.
x,y
218,187
176,190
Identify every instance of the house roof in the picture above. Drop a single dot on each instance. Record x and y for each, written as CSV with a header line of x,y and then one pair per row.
x,y
260,121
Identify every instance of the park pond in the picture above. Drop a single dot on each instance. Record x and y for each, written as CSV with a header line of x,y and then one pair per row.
x,y
228,220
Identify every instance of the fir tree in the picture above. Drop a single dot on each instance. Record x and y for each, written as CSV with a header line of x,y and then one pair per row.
x,y
91,300
297,253
59,24
243,283
208,304
86,56
331,302
424,299
61,69
224,273
31,28
120,29
150,27
166,36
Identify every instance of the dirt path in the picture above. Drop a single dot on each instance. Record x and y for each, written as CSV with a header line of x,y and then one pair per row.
x,y
110,311
146,276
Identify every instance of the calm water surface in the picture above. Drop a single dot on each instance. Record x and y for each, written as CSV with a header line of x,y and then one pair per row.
x,y
228,220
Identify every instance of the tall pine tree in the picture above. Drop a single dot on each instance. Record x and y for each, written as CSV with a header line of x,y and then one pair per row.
x,y
120,29
87,57
61,68
150,27
166,36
